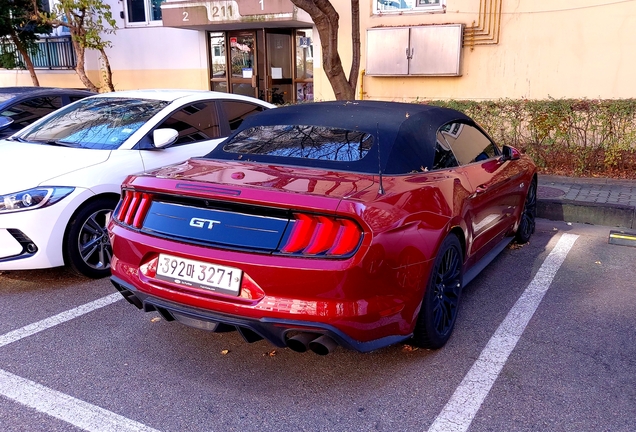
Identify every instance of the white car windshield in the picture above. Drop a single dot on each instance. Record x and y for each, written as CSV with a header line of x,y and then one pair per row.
x,y
95,123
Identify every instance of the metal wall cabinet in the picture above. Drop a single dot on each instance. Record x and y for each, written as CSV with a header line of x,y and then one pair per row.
x,y
386,51
433,50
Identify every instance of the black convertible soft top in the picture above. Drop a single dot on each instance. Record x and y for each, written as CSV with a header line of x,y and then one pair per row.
x,y
406,133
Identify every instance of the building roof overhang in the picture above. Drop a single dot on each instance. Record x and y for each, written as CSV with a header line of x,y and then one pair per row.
x,y
219,15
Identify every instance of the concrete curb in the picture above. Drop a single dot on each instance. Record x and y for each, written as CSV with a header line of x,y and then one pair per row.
x,y
597,201
612,215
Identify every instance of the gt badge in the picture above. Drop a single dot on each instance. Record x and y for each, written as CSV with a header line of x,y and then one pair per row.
x,y
202,223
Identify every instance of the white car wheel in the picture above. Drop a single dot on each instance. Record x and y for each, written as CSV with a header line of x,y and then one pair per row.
x,y
87,249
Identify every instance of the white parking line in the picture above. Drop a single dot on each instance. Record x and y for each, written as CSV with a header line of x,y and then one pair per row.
x,y
59,405
60,318
463,405
64,407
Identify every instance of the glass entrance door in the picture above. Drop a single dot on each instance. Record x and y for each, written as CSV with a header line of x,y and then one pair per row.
x,y
280,68
243,74
233,66
218,62
272,64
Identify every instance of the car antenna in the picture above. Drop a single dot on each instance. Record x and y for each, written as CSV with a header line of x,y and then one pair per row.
x,y
377,128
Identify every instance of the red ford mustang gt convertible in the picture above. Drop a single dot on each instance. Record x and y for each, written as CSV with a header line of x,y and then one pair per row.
x,y
332,223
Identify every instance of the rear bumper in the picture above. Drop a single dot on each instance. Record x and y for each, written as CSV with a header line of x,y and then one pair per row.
x,y
276,331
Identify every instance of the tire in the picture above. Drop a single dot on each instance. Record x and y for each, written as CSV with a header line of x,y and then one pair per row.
x,y
441,299
87,249
528,217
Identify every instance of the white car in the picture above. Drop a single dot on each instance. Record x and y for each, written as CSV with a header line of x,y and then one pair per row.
x,y
61,176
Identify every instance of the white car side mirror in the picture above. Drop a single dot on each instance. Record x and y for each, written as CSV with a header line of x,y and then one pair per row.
x,y
164,137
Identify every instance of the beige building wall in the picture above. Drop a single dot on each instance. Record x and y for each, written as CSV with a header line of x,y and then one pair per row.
x,y
546,49
140,57
65,79
157,57
555,49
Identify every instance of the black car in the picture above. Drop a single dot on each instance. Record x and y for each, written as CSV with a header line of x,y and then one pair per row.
x,y
21,106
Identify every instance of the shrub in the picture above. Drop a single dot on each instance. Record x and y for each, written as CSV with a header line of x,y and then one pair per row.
x,y
564,136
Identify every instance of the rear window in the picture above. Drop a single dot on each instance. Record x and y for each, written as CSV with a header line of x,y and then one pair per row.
x,y
28,111
302,142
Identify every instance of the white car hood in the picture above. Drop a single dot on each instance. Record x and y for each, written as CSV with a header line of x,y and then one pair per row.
x,y
24,166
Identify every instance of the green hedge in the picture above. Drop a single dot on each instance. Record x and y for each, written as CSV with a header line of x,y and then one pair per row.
x,y
563,136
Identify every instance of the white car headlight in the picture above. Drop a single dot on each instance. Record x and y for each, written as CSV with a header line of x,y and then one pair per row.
x,y
32,198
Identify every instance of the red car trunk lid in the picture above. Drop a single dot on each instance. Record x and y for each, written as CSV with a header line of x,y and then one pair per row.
x,y
269,185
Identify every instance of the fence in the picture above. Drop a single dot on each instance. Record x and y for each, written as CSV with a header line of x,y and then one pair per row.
x,y
50,52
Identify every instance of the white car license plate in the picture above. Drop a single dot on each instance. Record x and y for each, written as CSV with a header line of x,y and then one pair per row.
x,y
199,274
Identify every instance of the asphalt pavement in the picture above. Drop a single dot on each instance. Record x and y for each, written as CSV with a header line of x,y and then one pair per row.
x,y
596,201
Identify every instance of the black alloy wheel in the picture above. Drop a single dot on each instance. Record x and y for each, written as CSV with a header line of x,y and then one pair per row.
x,y
528,215
441,300
87,248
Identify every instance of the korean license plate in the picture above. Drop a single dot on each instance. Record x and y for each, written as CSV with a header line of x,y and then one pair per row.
x,y
199,274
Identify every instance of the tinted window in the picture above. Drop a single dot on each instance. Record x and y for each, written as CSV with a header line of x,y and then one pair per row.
x,y
468,143
196,122
444,157
100,123
27,112
238,111
299,141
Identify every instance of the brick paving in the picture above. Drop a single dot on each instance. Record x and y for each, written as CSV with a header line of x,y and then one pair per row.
x,y
599,201
603,191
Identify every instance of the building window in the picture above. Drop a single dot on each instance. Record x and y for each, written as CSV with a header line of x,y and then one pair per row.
x,y
48,52
143,11
46,6
400,6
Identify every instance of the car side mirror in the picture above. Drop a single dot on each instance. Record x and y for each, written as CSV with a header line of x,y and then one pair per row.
x,y
5,122
509,153
164,137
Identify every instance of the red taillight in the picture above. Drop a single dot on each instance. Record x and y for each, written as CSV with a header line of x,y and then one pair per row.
x,y
124,205
130,212
347,239
133,208
324,236
301,234
144,205
315,235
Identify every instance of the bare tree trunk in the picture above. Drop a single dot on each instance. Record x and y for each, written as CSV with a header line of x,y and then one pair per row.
x,y
108,71
355,41
326,19
79,68
26,57
78,34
